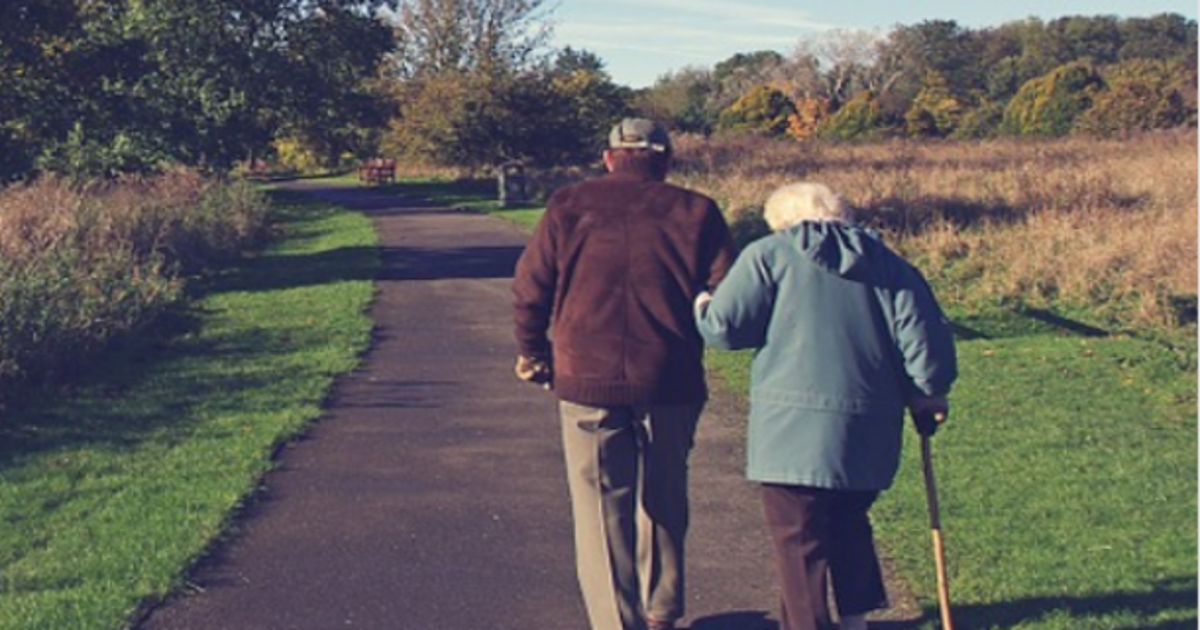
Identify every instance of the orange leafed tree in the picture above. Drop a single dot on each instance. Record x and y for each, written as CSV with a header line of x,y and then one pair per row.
x,y
810,112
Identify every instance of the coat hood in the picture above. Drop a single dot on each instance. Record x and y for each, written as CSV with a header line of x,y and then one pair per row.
x,y
842,249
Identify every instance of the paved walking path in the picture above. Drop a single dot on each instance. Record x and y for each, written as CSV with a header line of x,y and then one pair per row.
x,y
431,494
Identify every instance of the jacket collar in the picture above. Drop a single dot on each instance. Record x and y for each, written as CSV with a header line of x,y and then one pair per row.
x,y
630,176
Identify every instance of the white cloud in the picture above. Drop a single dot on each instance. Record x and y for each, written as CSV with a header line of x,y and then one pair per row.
x,y
680,36
774,16
642,39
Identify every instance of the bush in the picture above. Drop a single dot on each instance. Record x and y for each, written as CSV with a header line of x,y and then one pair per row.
x,y
1049,104
980,122
763,109
61,309
295,155
935,112
88,153
1142,94
859,119
82,267
810,113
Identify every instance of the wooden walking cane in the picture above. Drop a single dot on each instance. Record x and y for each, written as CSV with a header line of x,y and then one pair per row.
x,y
939,551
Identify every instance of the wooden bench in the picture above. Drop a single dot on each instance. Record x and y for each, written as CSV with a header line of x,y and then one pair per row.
x,y
377,170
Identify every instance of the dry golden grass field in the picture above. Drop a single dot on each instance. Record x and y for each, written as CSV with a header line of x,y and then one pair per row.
x,y
1105,225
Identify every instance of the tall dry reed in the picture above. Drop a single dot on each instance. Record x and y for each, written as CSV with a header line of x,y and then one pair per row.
x,y
1109,225
82,267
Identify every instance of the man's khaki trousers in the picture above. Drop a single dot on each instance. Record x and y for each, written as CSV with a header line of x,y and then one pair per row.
x,y
627,474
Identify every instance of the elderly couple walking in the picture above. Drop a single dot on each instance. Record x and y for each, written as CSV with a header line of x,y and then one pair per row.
x,y
634,276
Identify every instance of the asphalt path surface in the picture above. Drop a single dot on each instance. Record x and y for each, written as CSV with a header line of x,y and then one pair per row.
x,y
431,495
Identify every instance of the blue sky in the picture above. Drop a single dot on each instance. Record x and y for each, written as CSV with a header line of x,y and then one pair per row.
x,y
639,40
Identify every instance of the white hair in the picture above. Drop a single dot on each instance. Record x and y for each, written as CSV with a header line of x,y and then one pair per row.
x,y
805,201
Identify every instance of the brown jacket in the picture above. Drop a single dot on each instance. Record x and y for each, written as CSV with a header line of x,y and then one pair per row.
x,y
615,263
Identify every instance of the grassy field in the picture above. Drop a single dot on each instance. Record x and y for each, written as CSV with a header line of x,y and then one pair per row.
x,y
1067,475
1068,472
1105,226
1066,479
170,436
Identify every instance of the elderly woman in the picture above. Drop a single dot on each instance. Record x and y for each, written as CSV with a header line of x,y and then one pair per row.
x,y
847,335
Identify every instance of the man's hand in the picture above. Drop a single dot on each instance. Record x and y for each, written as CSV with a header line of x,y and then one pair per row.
x,y
536,371
928,412
703,298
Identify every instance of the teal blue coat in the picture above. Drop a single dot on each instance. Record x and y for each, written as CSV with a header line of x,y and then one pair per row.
x,y
845,332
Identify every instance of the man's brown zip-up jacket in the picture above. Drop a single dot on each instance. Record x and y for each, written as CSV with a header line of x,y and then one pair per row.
x,y
613,268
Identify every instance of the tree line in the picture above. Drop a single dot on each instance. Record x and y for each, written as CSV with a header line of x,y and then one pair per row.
x,y
95,87
92,87
1076,74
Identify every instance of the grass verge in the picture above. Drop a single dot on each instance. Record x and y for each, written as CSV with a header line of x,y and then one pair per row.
x,y
1067,476
1066,481
109,494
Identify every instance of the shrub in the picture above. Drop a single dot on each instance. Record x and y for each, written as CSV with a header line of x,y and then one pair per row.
x,y
87,153
859,119
65,306
764,109
295,155
810,113
935,111
84,266
1142,94
1049,104
980,122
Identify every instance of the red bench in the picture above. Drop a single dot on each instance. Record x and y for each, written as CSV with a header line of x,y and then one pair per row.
x,y
377,170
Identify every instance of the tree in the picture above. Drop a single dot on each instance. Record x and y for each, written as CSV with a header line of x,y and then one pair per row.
x,y
682,100
486,108
39,57
474,90
810,114
935,111
433,113
334,101
1162,36
1142,94
477,121
570,60
763,109
437,37
911,53
835,65
228,74
587,103
1049,105
745,68
740,73
1097,39
135,84
859,119
981,121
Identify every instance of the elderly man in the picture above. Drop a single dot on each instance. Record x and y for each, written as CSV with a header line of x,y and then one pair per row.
x,y
848,335
615,264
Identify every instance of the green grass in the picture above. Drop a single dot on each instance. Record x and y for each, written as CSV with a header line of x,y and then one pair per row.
x,y
1067,484
1067,475
477,194
107,495
1066,481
